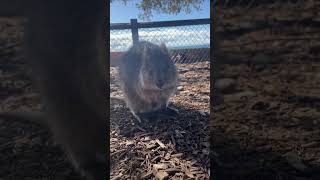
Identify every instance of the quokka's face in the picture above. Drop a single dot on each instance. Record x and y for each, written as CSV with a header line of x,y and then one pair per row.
x,y
158,71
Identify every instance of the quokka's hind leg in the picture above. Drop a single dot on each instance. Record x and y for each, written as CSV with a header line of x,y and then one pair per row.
x,y
136,106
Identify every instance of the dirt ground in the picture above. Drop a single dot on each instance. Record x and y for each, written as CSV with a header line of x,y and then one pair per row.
x,y
268,127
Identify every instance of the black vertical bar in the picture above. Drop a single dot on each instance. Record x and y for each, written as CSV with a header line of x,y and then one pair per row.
x,y
134,30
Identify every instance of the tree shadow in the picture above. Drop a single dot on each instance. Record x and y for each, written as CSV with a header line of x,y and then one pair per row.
x,y
186,134
246,157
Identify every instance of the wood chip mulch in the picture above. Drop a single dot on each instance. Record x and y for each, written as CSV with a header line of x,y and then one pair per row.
x,y
176,148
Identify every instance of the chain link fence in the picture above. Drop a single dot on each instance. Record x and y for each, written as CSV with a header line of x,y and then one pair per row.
x,y
187,40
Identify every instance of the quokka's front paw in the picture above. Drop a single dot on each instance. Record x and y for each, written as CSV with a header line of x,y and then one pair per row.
x,y
137,117
171,111
147,115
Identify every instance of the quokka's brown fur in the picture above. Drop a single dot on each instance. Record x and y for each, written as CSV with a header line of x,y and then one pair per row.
x,y
148,77
65,49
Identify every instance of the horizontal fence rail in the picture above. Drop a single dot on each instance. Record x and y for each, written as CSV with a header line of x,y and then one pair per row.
x,y
187,40
120,26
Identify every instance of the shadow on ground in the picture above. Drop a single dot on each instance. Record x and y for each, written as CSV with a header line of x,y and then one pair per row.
x,y
171,147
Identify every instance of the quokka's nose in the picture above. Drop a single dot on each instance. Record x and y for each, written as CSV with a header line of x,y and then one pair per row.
x,y
160,83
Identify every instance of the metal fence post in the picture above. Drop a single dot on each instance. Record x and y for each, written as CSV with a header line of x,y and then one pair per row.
x,y
134,30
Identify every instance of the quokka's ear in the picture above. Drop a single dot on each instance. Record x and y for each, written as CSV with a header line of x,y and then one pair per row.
x,y
164,48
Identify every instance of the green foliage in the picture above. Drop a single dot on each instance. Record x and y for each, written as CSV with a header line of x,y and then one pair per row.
x,y
148,7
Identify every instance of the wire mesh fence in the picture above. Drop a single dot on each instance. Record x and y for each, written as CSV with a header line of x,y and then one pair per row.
x,y
188,41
